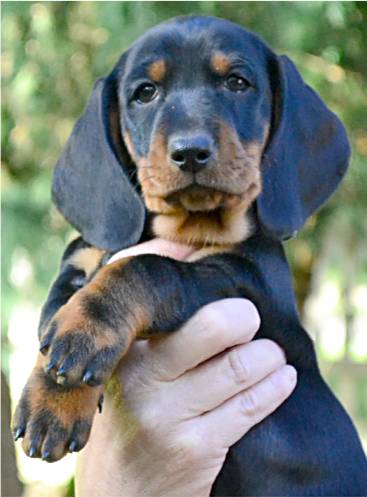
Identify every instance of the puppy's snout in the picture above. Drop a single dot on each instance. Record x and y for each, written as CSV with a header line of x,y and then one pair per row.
x,y
191,153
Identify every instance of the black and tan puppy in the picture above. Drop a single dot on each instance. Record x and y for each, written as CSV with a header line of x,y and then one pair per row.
x,y
201,134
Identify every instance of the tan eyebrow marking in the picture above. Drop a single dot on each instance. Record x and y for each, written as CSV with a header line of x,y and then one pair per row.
x,y
220,63
157,70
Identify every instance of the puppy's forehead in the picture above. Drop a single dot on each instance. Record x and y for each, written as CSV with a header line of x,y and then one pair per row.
x,y
190,42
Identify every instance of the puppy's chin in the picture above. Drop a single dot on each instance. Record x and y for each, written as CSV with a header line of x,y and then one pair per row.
x,y
201,217
197,198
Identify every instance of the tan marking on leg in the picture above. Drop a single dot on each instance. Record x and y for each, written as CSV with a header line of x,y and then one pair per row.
x,y
74,316
87,259
64,406
67,406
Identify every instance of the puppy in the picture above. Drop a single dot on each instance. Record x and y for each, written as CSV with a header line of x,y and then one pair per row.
x,y
202,135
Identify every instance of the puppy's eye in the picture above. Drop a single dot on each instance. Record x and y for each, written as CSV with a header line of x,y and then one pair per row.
x,y
236,83
145,93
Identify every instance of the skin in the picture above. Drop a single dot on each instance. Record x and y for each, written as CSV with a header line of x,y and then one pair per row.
x,y
177,404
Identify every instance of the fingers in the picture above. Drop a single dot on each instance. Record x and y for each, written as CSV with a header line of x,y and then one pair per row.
x,y
157,246
229,373
246,409
214,328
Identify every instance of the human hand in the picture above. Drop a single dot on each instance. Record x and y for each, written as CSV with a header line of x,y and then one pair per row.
x,y
178,403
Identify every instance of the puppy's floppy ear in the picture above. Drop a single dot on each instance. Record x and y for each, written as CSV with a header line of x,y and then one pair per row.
x,y
91,186
306,156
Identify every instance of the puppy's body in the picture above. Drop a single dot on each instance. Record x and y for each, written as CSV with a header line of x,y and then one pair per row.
x,y
210,120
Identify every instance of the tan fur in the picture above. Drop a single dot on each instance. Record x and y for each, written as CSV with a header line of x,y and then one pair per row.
x,y
157,70
159,178
87,259
200,229
212,210
206,251
66,407
74,316
220,63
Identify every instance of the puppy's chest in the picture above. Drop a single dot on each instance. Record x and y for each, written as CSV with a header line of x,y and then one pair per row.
x,y
210,233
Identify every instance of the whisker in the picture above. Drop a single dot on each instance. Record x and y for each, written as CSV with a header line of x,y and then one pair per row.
x,y
132,174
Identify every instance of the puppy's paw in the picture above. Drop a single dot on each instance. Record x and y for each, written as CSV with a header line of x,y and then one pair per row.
x,y
54,420
83,343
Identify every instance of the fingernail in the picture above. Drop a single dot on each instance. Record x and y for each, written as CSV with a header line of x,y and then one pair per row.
x,y
290,372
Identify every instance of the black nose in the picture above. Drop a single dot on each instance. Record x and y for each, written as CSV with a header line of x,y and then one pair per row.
x,y
191,153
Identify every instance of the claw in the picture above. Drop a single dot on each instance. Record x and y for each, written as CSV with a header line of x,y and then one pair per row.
x,y
61,371
100,403
32,451
46,456
61,376
88,378
44,349
19,433
60,380
49,366
73,446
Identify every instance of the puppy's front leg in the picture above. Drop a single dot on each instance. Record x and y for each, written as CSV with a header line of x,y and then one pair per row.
x,y
131,298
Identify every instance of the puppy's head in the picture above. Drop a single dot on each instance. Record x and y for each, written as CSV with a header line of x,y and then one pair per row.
x,y
196,104
207,119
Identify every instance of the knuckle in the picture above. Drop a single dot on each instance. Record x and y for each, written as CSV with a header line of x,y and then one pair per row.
x,y
149,423
189,448
249,404
211,318
238,370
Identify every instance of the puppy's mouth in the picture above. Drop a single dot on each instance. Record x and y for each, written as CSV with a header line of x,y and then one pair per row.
x,y
197,198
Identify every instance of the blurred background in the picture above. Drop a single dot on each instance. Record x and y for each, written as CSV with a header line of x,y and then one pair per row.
x,y
52,52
